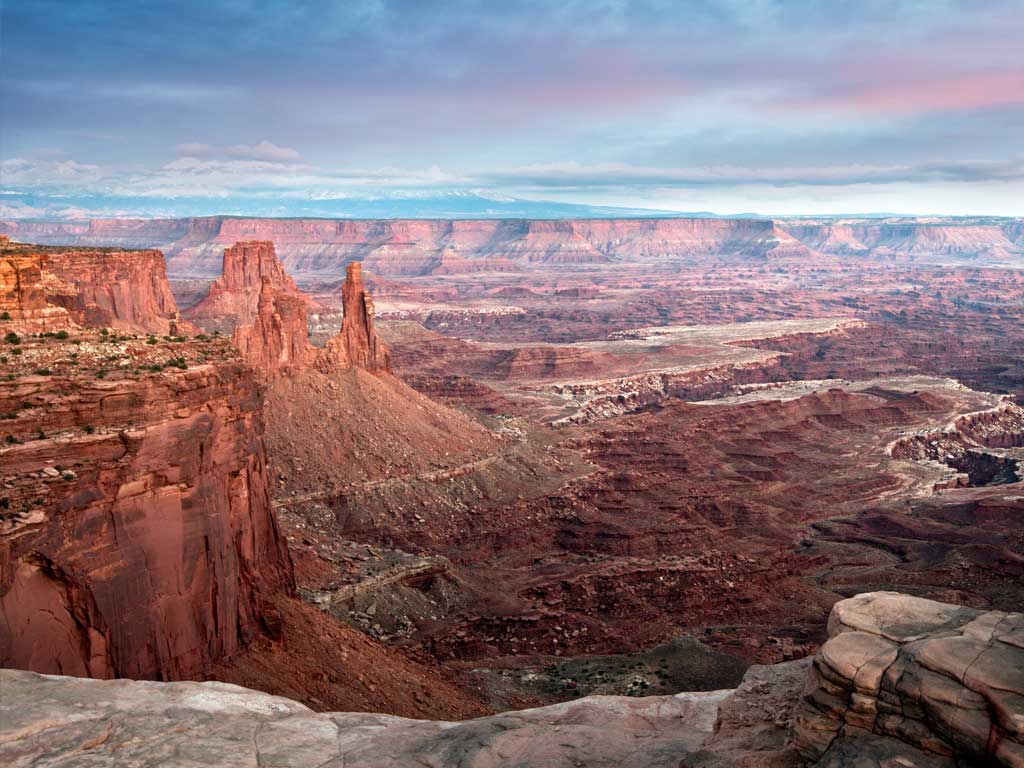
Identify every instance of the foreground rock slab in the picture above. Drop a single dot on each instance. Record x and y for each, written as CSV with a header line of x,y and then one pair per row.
x,y
61,721
908,681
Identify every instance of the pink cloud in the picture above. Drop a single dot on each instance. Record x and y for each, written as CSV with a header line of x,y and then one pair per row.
x,y
977,90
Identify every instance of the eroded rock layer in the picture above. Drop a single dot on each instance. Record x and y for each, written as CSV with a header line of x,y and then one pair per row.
x,y
277,341
907,681
421,247
234,297
45,289
136,536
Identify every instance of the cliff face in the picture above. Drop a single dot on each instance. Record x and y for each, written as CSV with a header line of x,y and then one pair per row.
x,y
357,344
277,341
318,248
45,289
234,297
136,535
23,296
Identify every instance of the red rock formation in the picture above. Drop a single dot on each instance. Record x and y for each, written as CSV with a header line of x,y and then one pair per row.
x,y
137,537
318,247
277,341
357,343
234,297
45,289
23,297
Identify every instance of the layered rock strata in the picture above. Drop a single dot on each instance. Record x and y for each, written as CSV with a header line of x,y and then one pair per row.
x,y
321,247
357,344
915,682
136,536
46,289
234,298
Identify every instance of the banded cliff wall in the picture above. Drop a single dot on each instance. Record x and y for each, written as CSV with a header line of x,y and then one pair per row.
x,y
136,533
45,289
319,248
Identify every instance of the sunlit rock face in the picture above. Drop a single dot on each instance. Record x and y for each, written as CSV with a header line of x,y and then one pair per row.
x,y
357,344
234,298
49,289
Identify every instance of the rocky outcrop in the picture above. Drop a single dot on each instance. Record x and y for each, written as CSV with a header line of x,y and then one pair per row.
x,y
234,297
45,289
908,681
136,535
24,306
973,445
357,344
60,719
277,341
902,682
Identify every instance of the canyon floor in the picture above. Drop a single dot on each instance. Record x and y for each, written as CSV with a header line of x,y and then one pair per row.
x,y
653,475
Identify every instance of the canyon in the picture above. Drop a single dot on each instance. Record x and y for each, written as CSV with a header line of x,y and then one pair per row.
x,y
319,248
447,469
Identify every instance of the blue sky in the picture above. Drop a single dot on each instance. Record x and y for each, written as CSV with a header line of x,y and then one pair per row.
x,y
305,107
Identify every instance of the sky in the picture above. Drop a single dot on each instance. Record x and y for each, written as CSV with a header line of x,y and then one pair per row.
x,y
330,108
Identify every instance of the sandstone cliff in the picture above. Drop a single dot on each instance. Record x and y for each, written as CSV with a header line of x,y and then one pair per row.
x,y
234,297
44,289
318,248
137,537
277,341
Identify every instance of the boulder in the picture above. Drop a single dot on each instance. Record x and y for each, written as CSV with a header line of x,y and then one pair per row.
x,y
918,681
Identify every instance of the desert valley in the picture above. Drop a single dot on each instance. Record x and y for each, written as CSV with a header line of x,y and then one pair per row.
x,y
653,480
521,384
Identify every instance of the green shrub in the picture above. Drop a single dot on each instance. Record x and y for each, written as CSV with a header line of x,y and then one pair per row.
x,y
61,335
12,338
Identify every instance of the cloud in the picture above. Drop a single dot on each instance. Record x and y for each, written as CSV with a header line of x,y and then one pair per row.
x,y
937,93
194,149
573,175
265,150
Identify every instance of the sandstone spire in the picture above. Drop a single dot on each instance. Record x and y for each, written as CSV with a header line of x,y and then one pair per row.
x,y
233,297
357,343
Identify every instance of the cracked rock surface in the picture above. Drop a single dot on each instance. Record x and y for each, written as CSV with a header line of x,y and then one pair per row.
x,y
913,682
62,721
